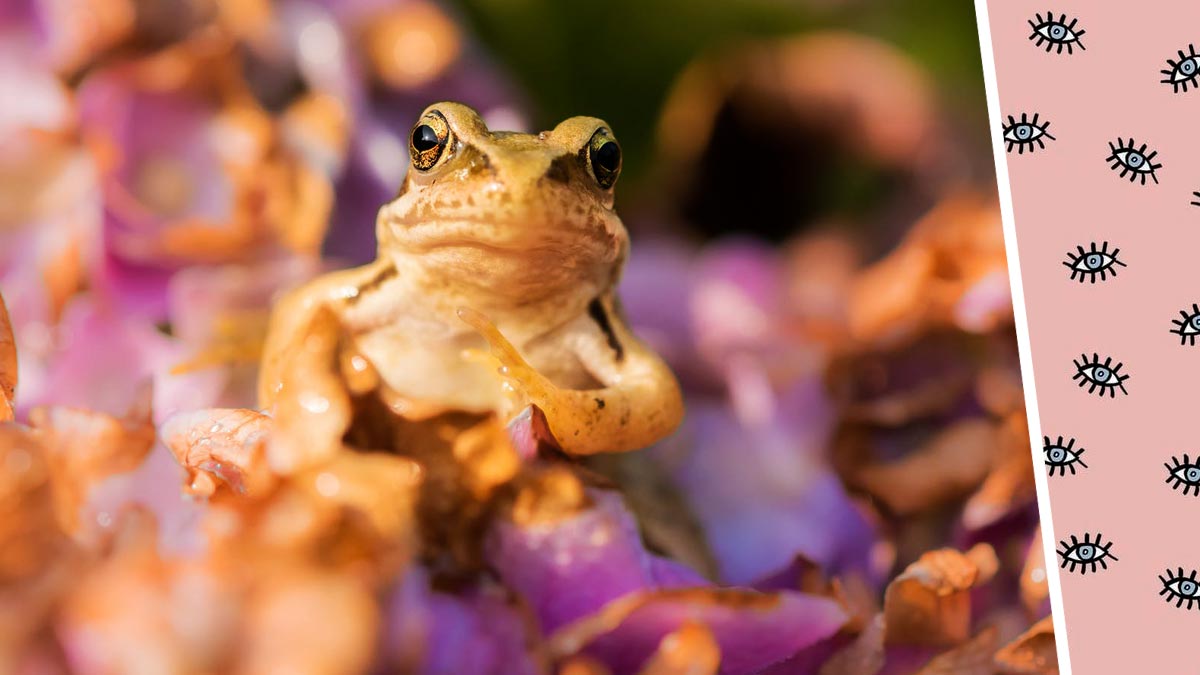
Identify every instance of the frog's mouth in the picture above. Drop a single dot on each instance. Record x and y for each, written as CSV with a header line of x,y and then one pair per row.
x,y
570,245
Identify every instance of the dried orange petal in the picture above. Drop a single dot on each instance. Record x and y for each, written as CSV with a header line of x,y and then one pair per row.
x,y
690,650
8,364
929,603
948,466
971,658
85,447
1032,653
1035,588
226,444
283,631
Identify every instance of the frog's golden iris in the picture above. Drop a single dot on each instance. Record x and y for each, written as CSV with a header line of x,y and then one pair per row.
x,y
604,157
428,141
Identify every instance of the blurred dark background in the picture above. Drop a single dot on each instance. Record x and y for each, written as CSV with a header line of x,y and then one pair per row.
x,y
762,166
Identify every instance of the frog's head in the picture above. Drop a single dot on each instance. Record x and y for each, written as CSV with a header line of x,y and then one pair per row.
x,y
518,213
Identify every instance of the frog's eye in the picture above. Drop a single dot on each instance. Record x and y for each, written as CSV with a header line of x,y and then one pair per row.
x,y
1184,72
1087,554
1132,162
429,139
1061,457
604,158
1189,327
1025,133
1056,32
1184,474
1105,377
1089,264
1180,587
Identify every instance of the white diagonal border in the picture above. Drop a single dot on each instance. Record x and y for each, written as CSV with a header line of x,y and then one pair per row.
x,y
1049,545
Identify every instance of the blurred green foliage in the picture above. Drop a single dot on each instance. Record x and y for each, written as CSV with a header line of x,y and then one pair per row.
x,y
616,59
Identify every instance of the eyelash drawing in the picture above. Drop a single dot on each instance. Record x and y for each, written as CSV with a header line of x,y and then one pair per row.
x,y
1185,474
1103,376
1052,32
1189,328
1025,133
1180,588
1062,457
1197,196
1089,264
1133,163
1184,72
1086,554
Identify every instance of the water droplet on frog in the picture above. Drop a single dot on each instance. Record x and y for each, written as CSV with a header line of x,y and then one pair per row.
x,y
328,484
314,403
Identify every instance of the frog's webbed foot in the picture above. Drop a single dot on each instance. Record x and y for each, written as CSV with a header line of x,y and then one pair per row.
x,y
522,382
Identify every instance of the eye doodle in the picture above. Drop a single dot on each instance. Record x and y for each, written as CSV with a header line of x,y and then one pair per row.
x,y
1056,32
1061,457
1182,589
1133,163
1025,133
1185,474
1184,72
1089,264
1197,196
1189,327
1104,377
1087,554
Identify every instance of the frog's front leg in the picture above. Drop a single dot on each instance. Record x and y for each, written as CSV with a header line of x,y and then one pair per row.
x,y
640,401
291,315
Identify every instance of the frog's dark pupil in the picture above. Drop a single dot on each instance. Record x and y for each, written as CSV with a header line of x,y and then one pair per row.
x,y
424,138
607,156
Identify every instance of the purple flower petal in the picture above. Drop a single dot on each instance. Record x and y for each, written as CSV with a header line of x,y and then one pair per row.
x,y
569,569
475,631
753,631
764,493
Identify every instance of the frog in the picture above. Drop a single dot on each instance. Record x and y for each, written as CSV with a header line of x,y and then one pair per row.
x,y
494,288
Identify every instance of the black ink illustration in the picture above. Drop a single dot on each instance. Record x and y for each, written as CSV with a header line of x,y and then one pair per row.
x,y
1184,72
1184,474
1103,377
1180,588
1133,163
1025,133
1060,457
1096,262
1187,328
1085,555
1056,33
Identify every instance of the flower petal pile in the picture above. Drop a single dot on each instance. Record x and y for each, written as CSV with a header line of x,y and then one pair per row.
x,y
851,491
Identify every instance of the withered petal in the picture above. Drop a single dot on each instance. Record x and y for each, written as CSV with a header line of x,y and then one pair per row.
x,y
972,658
752,630
8,364
946,467
1009,485
228,444
86,447
929,604
690,650
1031,653
1035,585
